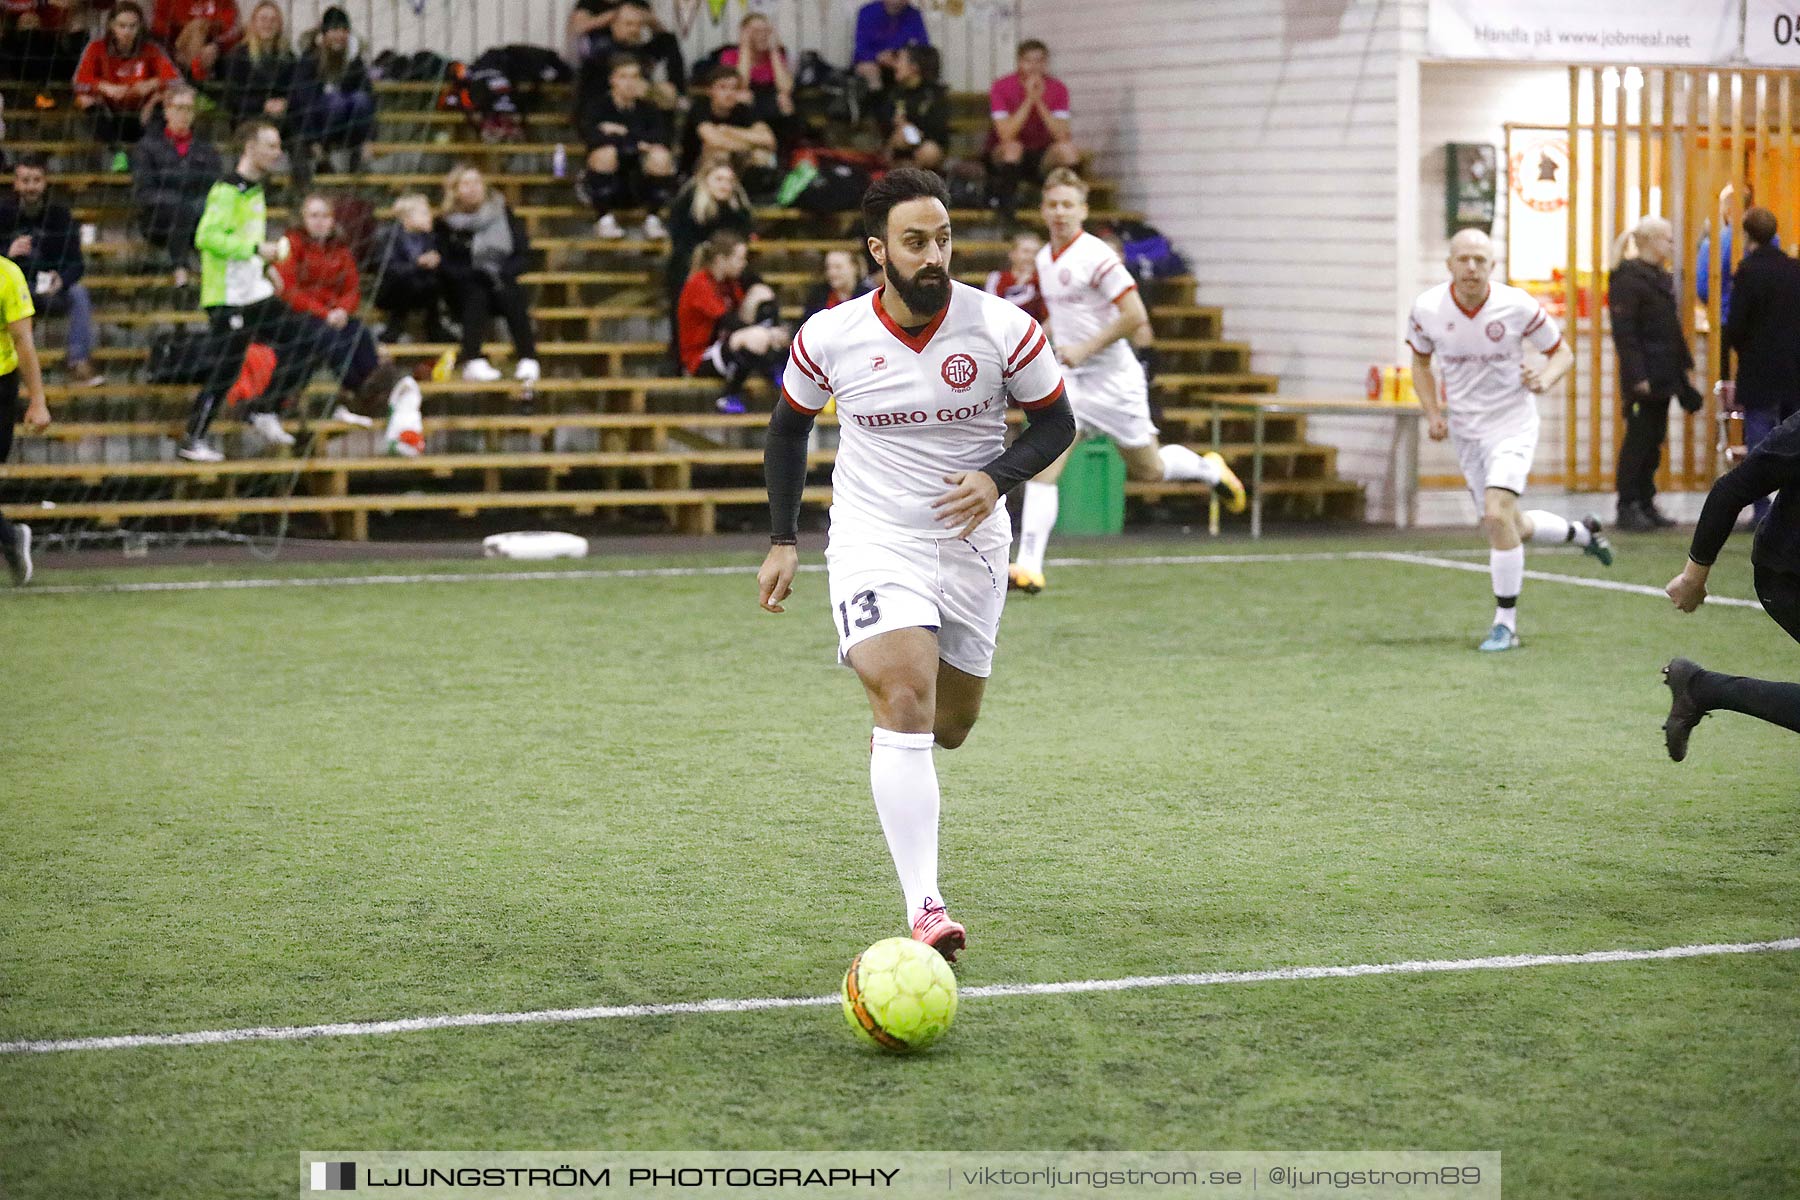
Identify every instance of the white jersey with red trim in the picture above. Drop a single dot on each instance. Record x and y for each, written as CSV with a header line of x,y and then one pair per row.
x,y
1477,356
913,409
1080,285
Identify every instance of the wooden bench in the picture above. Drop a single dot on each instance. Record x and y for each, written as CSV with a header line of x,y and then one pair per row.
x,y
690,510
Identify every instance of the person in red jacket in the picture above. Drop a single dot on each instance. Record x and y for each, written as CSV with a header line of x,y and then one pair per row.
x,y
197,32
319,278
724,329
120,79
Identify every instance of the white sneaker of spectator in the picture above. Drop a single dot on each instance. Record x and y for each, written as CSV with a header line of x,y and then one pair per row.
x,y
608,227
340,413
193,450
268,427
526,371
654,228
480,370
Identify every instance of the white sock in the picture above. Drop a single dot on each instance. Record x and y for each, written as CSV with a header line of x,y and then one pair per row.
x,y
903,777
1507,568
404,403
1180,463
1035,524
1547,527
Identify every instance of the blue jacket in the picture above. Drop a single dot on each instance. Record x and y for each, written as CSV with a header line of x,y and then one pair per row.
x,y
876,32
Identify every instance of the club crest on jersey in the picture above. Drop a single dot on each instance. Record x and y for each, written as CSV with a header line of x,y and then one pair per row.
x,y
1495,331
1065,276
959,372
878,363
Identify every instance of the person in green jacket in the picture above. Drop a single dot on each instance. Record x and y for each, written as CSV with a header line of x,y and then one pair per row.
x,y
240,299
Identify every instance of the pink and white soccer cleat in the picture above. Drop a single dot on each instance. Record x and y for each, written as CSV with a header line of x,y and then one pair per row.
x,y
935,928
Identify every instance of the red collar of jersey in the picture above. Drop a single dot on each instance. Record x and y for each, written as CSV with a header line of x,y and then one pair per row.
x,y
1056,254
915,343
1470,312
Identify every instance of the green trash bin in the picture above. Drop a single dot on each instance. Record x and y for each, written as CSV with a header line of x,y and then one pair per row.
x,y
1091,498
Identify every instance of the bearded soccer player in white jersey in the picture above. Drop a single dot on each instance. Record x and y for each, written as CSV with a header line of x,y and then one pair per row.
x,y
1094,310
1471,333
921,370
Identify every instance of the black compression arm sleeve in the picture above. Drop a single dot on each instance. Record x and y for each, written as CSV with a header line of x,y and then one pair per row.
x,y
1757,475
784,468
1047,433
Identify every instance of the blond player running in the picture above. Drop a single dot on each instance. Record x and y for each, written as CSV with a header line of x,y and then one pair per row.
x,y
1470,334
1094,311
922,370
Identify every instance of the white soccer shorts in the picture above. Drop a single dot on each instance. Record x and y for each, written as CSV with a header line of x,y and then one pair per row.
x,y
1109,396
1500,461
900,582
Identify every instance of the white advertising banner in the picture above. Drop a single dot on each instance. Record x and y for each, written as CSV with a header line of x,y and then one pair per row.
x,y
1636,32
1772,33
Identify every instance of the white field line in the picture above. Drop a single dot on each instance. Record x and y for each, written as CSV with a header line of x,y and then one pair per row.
x,y
1588,581
290,1033
1165,560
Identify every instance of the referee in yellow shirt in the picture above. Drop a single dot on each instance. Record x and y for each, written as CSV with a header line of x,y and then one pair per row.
x,y
18,356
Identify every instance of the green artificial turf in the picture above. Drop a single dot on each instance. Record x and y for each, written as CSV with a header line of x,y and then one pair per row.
x,y
298,805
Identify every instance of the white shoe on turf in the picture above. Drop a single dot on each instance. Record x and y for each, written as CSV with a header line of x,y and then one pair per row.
x,y
18,555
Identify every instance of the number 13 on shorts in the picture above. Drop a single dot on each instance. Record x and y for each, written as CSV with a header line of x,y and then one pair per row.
x,y
859,611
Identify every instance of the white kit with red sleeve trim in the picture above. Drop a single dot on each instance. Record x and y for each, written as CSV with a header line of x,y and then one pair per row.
x,y
913,408
1081,285
1477,356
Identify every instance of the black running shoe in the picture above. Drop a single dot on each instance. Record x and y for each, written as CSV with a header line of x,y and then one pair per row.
x,y
1684,712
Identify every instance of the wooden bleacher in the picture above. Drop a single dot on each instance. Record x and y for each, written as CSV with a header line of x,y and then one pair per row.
x,y
606,435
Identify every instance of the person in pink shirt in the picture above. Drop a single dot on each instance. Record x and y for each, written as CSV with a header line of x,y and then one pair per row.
x,y
1030,133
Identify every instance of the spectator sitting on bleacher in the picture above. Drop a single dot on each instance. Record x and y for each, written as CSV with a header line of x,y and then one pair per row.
x,y
713,201
407,262
1030,134
586,18
883,29
630,28
196,33
41,40
1018,282
256,75
120,77
724,124
485,250
172,169
726,330
320,279
43,240
914,114
761,62
334,100
844,280
629,160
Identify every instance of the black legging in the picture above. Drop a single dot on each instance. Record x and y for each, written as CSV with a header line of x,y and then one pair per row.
x,y
1766,700
9,415
402,296
478,296
1646,425
171,227
295,337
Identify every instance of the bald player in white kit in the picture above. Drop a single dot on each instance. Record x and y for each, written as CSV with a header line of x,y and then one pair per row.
x,y
1471,333
1094,310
